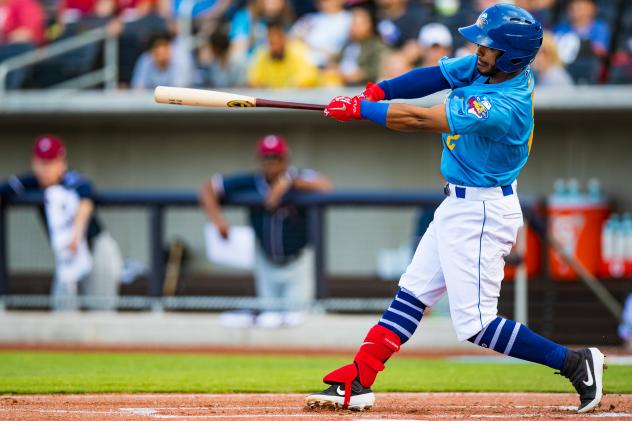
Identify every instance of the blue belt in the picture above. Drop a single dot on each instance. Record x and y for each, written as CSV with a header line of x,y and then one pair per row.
x,y
460,191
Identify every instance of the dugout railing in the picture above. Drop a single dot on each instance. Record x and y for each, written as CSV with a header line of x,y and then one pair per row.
x,y
157,203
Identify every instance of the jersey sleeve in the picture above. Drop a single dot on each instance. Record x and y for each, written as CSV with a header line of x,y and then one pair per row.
x,y
478,115
231,184
308,174
18,184
83,187
459,71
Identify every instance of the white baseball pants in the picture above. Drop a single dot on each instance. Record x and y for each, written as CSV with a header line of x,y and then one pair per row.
x,y
462,252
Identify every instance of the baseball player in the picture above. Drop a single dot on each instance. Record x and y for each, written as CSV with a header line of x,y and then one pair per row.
x,y
283,265
87,259
487,128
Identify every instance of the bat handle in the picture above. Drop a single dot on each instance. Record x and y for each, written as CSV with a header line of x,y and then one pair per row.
x,y
293,105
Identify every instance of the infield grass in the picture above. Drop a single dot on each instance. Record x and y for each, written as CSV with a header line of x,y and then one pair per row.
x,y
64,372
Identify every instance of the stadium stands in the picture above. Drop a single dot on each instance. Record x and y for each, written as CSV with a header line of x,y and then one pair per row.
x,y
593,36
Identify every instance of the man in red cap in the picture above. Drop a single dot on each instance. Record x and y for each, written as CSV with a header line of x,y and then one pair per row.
x,y
283,272
87,259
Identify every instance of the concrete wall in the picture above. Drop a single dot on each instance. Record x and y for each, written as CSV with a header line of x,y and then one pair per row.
x,y
178,150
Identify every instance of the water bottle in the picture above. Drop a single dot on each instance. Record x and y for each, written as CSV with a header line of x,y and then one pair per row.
x,y
593,188
607,238
574,193
626,228
559,188
560,192
617,266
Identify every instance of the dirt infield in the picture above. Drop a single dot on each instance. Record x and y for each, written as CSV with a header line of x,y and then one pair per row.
x,y
389,406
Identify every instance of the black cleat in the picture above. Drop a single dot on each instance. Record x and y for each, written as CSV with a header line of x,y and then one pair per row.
x,y
584,368
362,398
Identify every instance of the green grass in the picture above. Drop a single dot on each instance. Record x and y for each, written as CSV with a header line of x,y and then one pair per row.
x,y
63,372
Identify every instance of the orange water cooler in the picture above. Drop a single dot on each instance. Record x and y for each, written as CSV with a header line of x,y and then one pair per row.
x,y
577,225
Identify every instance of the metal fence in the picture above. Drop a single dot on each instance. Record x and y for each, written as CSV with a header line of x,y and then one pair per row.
x,y
156,204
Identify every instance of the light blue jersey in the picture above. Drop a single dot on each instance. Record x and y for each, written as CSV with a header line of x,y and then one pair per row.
x,y
491,125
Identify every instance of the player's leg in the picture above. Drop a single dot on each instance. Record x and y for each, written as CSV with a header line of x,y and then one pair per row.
x,y
298,288
474,295
421,283
269,291
103,282
64,295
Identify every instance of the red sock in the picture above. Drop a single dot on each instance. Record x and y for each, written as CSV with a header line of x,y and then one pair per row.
x,y
378,346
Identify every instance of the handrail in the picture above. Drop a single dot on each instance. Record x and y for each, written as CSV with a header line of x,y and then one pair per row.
x,y
55,49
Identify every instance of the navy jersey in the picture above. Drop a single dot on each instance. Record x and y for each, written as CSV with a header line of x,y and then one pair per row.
x,y
491,125
71,180
281,233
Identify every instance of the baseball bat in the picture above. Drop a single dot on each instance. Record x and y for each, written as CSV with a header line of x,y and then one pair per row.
x,y
205,98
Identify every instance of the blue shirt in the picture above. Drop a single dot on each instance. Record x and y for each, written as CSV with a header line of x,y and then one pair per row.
x,y
597,32
71,180
283,232
491,125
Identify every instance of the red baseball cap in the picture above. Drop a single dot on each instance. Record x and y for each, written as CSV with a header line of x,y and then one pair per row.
x,y
273,144
48,147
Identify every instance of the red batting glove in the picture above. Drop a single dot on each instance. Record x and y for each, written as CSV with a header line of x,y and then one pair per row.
x,y
373,92
344,108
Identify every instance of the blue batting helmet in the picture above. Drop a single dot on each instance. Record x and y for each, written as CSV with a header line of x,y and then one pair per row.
x,y
510,29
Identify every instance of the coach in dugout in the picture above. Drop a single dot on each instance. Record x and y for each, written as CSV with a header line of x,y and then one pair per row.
x,y
284,265
87,259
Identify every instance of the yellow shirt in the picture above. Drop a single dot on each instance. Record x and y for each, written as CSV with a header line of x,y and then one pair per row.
x,y
293,71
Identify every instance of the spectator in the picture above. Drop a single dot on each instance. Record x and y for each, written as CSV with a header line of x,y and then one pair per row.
x,y
435,41
542,10
133,10
135,26
248,29
582,40
303,7
21,30
400,21
548,66
282,64
21,22
167,62
396,64
217,68
362,58
325,32
621,69
466,50
453,14
283,268
199,8
71,11
87,259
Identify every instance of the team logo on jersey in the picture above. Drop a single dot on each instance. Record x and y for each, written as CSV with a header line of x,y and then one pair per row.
x,y
479,106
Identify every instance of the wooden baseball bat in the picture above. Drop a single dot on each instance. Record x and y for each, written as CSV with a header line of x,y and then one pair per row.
x,y
205,98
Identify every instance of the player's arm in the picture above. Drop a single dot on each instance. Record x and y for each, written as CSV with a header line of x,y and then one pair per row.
x,y
310,180
81,221
84,213
416,83
306,180
402,117
410,118
209,198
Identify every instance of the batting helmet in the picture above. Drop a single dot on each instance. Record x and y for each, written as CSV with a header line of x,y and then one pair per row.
x,y
510,29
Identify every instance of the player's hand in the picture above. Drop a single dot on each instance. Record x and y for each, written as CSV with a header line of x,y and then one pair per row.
x,y
277,191
373,92
223,228
74,242
344,108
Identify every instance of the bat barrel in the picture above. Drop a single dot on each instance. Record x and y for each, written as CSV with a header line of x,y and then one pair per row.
x,y
206,98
